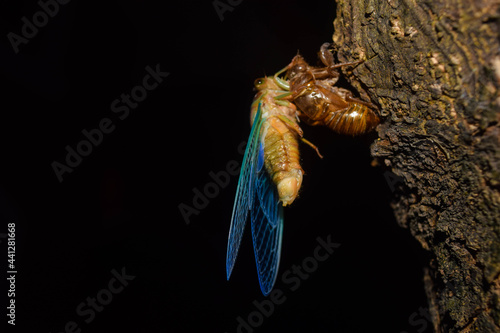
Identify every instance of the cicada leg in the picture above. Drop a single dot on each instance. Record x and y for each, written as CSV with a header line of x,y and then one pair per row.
x,y
291,125
326,58
312,145
349,98
295,127
325,55
280,99
331,68
283,84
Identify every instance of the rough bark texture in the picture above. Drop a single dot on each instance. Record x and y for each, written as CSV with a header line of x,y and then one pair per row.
x,y
433,68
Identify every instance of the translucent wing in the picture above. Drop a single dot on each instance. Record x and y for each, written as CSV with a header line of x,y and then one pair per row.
x,y
267,230
245,194
257,193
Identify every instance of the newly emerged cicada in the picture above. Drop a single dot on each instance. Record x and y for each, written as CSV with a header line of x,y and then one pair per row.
x,y
320,102
271,175
270,178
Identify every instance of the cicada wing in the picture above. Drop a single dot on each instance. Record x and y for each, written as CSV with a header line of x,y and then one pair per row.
x,y
245,193
267,230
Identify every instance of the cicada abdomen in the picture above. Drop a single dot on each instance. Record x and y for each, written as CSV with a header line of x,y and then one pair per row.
x,y
321,103
279,136
334,108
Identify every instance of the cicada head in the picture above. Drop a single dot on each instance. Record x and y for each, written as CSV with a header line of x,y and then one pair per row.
x,y
262,85
298,71
265,83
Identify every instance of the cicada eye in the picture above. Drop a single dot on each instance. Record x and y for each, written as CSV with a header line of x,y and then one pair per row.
x,y
259,83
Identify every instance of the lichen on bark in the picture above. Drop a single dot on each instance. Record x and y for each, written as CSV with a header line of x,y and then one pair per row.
x,y
433,69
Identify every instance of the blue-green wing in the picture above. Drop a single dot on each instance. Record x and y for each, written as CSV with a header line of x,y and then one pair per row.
x,y
245,193
257,193
267,228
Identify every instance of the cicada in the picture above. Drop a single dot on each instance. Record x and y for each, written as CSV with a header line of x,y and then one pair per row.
x,y
270,178
319,102
271,175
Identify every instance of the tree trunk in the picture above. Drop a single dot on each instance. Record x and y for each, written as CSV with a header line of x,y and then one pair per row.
x,y
433,68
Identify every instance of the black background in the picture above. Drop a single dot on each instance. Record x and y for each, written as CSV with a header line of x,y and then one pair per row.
x,y
120,207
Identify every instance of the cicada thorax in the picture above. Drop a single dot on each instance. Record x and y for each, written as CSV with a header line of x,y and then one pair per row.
x,y
321,103
280,135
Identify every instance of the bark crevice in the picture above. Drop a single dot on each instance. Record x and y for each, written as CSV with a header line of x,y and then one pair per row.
x,y
433,68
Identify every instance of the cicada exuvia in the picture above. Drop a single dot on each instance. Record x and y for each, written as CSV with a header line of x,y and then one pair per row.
x,y
320,102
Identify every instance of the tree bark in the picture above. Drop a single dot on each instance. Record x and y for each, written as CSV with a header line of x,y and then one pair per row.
x,y
433,68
